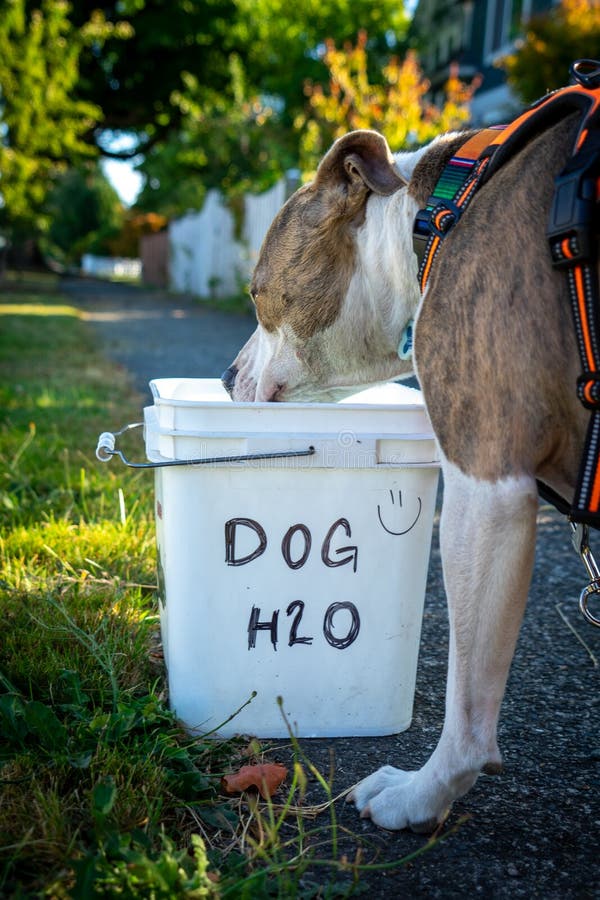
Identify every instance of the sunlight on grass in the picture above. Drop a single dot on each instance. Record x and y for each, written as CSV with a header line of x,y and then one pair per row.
x,y
38,309
102,793
101,552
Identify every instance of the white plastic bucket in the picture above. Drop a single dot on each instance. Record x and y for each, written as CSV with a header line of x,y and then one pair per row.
x,y
301,578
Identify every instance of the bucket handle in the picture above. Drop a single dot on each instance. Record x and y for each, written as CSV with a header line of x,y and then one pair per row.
x,y
106,449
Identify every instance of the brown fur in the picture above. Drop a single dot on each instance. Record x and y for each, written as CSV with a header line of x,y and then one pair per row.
x,y
500,385
288,285
430,166
304,282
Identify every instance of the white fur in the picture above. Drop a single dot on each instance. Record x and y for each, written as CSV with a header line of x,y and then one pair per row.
x,y
387,267
487,541
406,161
382,297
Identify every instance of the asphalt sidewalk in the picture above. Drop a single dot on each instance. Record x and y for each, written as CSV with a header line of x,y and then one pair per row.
x,y
533,831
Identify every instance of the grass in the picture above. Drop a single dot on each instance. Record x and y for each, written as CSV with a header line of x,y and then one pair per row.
x,y
101,792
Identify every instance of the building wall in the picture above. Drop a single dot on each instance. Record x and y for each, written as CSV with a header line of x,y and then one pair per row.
x,y
489,30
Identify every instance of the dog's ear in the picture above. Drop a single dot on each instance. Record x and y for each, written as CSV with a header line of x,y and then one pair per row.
x,y
361,159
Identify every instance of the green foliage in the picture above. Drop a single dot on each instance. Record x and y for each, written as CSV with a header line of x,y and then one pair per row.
x,y
242,138
85,213
285,41
395,104
170,188
127,866
132,80
42,125
236,144
553,41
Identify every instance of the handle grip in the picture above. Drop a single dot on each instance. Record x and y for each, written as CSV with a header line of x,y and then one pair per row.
x,y
106,449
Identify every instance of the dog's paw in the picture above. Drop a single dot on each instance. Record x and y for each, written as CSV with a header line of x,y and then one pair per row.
x,y
395,799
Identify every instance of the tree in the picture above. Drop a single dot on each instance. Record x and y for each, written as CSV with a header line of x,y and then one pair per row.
x,y
156,45
42,124
244,138
132,73
85,213
285,41
236,144
397,107
552,42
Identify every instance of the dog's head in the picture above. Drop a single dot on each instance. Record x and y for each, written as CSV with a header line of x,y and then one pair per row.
x,y
335,283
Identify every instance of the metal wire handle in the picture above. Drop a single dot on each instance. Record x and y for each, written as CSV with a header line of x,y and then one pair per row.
x,y
106,449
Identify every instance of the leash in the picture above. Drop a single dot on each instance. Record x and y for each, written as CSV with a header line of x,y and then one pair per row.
x,y
572,232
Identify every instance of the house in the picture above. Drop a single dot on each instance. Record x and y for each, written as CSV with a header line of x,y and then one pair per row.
x,y
475,35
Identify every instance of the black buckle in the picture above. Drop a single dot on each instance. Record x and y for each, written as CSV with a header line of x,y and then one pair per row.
x,y
572,214
424,225
421,233
453,214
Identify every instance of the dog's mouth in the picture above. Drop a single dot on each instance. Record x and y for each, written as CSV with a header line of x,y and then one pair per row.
x,y
228,379
309,394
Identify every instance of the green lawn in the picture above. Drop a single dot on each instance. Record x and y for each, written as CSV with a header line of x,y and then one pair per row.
x,y
101,793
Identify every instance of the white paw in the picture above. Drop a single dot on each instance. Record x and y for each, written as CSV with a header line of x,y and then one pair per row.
x,y
396,799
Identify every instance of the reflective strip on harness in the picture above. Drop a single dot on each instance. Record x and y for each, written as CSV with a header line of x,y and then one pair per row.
x,y
587,495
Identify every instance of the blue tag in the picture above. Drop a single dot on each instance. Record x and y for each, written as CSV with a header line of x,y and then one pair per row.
x,y
406,341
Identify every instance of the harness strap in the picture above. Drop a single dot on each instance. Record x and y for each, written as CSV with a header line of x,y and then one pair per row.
x,y
452,194
484,153
573,246
572,234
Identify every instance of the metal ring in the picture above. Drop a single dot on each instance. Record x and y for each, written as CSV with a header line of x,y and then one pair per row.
x,y
590,78
587,592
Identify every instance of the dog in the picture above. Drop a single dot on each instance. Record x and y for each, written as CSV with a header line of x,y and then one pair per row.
x,y
496,355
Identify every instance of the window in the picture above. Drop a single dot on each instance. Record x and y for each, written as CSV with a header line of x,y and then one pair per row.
x,y
504,23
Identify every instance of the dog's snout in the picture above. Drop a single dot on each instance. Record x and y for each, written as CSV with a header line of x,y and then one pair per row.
x,y
228,378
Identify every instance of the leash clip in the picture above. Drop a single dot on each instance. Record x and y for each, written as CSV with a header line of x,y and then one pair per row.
x,y
580,540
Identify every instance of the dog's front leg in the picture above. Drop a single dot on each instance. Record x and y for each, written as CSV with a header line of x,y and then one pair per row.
x,y
487,540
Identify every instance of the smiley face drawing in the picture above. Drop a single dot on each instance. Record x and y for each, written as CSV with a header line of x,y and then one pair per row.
x,y
395,515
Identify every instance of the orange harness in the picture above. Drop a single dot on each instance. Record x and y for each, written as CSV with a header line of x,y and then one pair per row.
x,y
571,234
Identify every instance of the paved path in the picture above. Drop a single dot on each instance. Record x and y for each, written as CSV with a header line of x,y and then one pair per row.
x,y
156,335
532,832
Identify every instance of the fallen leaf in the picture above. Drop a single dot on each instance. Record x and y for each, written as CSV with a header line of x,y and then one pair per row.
x,y
265,776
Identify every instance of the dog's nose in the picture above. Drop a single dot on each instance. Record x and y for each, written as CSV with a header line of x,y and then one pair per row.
x,y
228,378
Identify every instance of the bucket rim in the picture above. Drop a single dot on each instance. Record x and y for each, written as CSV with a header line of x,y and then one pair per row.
x,y
160,400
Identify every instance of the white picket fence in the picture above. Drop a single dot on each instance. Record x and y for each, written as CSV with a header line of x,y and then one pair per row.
x,y
205,258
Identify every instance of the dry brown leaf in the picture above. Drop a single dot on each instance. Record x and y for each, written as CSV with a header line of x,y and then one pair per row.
x,y
265,776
